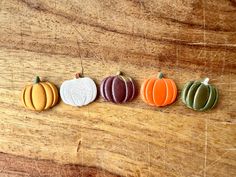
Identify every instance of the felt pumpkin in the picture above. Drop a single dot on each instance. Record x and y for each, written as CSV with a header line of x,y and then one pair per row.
x,y
118,88
200,96
79,91
159,91
40,95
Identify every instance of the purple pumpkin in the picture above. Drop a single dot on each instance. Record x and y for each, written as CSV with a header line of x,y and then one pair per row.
x,y
118,89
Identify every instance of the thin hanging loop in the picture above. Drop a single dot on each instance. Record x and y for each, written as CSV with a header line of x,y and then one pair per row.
x,y
81,73
82,68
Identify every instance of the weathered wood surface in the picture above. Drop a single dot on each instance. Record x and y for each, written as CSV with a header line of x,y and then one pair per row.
x,y
186,39
22,166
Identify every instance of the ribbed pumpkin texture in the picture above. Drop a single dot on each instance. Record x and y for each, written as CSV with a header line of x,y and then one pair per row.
x,y
80,91
40,95
200,96
159,91
118,88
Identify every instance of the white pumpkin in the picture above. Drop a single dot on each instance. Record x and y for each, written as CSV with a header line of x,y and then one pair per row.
x,y
79,91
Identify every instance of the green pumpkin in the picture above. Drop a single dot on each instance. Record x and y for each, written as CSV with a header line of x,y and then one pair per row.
x,y
200,96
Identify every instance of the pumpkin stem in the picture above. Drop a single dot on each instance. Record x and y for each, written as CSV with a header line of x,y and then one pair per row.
x,y
160,75
37,80
78,75
205,81
119,73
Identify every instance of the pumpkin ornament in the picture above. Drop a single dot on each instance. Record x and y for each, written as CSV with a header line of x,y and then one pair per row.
x,y
118,89
40,96
79,91
200,96
159,91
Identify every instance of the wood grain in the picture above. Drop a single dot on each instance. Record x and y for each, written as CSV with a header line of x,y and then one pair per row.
x,y
185,39
21,166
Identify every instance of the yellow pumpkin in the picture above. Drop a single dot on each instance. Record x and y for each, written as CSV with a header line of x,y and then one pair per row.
x,y
40,96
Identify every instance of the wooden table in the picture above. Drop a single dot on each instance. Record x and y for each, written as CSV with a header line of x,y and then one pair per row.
x,y
185,39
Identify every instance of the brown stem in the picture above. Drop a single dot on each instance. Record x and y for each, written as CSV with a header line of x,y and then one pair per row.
x,y
78,75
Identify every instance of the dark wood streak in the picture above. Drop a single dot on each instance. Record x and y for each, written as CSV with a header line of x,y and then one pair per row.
x,y
198,26
233,2
12,165
150,58
184,23
167,57
109,29
164,59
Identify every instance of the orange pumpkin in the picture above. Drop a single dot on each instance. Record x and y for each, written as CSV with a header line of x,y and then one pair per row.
x,y
159,91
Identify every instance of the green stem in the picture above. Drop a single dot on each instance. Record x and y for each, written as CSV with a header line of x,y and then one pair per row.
x,y
37,80
160,75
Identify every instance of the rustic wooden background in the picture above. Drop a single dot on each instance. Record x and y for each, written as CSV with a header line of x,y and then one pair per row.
x,y
186,39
